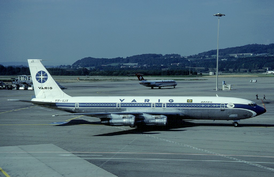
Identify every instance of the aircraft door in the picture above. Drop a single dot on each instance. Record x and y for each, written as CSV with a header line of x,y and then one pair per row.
x,y
76,107
118,106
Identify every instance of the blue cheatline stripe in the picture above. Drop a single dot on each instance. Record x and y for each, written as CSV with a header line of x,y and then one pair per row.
x,y
158,105
195,105
97,104
135,104
168,105
243,106
65,104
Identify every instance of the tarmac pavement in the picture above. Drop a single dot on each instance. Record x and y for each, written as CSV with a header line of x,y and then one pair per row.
x,y
32,143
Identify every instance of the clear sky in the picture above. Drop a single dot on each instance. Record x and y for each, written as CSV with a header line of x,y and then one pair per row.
x,y
64,31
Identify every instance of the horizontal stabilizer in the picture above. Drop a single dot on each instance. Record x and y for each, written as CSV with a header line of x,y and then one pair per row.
x,y
17,100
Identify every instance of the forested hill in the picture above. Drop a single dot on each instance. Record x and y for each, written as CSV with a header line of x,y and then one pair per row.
x,y
157,59
144,59
255,58
251,48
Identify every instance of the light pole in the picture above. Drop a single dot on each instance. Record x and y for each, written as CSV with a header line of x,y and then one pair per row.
x,y
189,67
217,62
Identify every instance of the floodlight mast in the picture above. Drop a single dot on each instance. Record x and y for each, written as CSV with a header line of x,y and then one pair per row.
x,y
217,60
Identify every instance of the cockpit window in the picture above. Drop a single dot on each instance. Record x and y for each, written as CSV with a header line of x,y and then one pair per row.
x,y
252,104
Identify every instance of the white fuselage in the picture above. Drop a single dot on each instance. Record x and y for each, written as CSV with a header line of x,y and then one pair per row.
x,y
215,108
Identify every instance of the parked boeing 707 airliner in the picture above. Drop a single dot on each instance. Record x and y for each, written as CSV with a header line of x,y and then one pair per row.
x,y
138,110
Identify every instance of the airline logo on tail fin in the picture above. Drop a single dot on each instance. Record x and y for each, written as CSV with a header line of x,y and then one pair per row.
x,y
41,76
140,77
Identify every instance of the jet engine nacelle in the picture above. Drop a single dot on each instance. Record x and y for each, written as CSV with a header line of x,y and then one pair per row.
x,y
115,119
160,120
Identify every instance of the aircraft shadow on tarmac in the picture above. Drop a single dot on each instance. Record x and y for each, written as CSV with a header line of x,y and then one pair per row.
x,y
174,126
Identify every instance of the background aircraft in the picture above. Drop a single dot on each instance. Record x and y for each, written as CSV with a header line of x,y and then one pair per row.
x,y
269,72
155,83
138,110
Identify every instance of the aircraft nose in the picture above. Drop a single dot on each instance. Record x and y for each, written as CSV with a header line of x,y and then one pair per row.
x,y
260,110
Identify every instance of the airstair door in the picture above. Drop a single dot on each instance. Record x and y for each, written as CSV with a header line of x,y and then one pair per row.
x,y
76,108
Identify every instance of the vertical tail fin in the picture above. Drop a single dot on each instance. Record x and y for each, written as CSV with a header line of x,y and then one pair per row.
x,y
140,77
44,85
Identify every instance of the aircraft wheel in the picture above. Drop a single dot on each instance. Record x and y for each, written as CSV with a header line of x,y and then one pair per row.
x,y
236,124
159,87
151,87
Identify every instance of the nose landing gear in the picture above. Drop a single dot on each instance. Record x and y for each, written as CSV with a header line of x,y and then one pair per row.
x,y
235,123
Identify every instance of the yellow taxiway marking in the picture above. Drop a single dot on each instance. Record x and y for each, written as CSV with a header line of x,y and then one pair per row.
x,y
74,118
15,110
5,173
